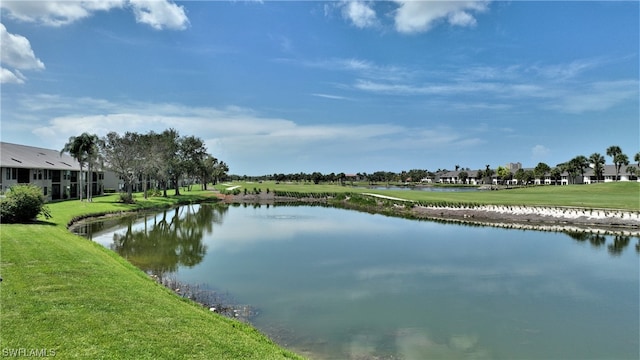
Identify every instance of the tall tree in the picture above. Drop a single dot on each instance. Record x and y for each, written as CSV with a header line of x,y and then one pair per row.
x,y
463,176
503,173
556,174
619,160
122,153
580,163
83,148
191,154
519,176
488,173
636,158
540,171
571,169
597,161
614,151
207,169
168,151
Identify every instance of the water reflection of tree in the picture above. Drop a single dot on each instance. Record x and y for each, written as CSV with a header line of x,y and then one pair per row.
x,y
170,239
620,242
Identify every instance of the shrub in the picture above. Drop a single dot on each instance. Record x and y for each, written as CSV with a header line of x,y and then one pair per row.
x,y
153,193
23,203
126,198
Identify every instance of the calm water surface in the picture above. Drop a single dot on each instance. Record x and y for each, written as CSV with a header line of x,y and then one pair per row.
x,y
337,284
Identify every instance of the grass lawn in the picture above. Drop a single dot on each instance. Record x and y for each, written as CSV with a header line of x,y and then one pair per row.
x,y
619,195
76,299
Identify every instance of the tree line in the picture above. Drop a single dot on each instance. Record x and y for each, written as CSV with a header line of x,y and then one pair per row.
x,y
158,161
574,167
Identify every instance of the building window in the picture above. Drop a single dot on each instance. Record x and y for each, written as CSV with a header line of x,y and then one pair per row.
x,y
45,191
8,173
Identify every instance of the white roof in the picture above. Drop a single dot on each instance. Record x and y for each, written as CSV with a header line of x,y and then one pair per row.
x,y
22,156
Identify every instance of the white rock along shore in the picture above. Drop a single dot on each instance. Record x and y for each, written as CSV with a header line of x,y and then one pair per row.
x,y
548,218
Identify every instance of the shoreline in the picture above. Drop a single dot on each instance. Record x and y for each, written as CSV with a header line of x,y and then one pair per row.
x,y
541,218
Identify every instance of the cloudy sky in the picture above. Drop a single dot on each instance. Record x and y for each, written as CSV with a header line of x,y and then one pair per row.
x,y
341,86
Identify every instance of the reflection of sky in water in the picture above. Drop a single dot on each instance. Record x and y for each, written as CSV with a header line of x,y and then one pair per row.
x,y
342,284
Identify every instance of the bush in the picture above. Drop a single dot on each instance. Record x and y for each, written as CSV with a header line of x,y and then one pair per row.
x,y
154,193
23,203
126,198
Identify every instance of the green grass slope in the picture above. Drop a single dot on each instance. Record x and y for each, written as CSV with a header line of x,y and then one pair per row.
x,y
73,297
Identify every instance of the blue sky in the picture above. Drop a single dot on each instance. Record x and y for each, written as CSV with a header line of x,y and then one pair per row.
x,y
355,86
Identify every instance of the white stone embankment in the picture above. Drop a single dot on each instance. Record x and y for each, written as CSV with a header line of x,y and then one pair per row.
x,y
566,213
533,217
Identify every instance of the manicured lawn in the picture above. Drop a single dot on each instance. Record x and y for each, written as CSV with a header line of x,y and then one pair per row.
x,y
620,195
68,295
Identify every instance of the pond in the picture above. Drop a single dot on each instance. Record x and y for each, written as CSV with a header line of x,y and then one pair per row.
x,y
337,284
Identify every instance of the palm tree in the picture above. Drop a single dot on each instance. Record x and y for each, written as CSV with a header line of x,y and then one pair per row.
x,y
636,158
597,162
580,163
92,143
75,148
488,173
614,151
83,148
619,160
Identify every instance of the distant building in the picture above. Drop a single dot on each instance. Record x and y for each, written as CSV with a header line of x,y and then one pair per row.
x,y
513,167
57,174
609,175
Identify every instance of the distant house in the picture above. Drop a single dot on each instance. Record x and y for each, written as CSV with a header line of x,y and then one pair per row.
x,y
609,175
453,177
57,174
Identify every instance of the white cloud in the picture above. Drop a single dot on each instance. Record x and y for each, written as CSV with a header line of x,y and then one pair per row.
x,y
559,87
539,153
57,13
565,71
359,12
16,53
159,14
11,77
242,137
329,96
419,16
598,96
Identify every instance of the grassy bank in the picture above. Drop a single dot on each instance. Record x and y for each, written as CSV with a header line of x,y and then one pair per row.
x,y
75,299
619,195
